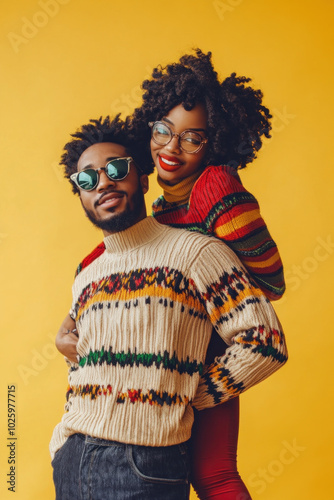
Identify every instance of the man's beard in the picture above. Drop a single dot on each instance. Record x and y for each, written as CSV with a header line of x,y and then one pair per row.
x,y
124,220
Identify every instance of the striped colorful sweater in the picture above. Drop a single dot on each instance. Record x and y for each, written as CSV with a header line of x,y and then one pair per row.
x,y
144,305
219,205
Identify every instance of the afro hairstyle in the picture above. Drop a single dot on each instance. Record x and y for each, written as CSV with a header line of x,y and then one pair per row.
x,y
237,118
101,130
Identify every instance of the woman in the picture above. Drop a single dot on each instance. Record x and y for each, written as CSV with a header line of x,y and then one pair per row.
x,y
202,132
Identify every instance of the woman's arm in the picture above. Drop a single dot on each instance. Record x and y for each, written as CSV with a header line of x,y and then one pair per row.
x,y
238,222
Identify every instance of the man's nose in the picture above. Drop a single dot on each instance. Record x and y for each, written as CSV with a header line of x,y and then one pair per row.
x,y
104,181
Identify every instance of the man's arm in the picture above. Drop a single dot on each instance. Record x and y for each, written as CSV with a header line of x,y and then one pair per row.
x,y
246,321
67,339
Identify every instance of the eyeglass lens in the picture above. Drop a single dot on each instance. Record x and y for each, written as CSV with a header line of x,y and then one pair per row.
x,y
189,141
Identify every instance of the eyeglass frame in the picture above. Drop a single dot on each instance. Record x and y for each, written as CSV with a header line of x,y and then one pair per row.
x,y
179,136
129,159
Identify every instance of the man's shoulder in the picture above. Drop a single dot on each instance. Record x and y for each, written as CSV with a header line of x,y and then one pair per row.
x,y
203,256
195,241
183,234
99,250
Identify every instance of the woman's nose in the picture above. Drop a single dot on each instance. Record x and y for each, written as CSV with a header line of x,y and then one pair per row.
x,y
174,145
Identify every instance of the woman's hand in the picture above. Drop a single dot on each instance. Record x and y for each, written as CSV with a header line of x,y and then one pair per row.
x,y
67,339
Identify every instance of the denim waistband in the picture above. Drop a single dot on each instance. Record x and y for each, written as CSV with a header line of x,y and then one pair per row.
x,y
107,442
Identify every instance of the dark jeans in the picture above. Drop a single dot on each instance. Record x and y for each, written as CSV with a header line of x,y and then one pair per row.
x,y
87,468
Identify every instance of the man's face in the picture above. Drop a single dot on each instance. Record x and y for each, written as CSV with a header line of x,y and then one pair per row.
x,y
112,206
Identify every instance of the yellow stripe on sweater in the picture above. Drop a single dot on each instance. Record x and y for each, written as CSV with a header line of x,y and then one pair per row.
x,y
149,291
215,376
264,263
237,223
231,304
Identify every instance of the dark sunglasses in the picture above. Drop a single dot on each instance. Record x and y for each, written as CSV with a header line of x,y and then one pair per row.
x,y
116,170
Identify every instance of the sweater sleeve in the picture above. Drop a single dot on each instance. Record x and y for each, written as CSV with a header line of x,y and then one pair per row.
x,y
236,219
246,321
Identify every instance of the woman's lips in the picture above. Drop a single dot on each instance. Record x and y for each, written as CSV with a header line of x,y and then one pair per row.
x,y
169,163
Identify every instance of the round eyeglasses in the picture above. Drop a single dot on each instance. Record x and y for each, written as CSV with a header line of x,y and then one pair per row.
x,y
116,170
189,141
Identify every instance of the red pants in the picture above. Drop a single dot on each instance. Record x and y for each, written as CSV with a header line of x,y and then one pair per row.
x,y
214,441
214,453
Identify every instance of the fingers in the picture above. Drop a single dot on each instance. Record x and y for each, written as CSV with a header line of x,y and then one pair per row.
x,y
66,344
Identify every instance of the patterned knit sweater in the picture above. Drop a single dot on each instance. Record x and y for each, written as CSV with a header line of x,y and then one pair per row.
x,y
219,205
144,306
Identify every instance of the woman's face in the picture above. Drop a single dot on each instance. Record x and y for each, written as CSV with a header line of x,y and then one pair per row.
x,y
172,163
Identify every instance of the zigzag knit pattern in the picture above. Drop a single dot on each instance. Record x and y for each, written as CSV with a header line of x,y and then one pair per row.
x,y
144,309
220,206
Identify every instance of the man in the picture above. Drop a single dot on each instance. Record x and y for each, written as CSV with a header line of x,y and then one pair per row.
x,y
144,303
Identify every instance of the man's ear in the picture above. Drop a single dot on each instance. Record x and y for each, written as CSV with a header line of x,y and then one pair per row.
x,y
144,183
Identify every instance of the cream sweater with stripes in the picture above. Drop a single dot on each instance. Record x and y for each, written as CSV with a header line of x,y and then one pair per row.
x,y
144,310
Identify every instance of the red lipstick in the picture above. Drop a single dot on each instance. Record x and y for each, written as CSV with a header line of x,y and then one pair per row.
x,y
169,163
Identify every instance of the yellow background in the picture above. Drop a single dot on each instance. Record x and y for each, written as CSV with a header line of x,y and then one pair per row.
x,y
65,61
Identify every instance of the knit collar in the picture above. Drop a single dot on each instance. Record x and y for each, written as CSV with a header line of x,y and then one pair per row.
x,y
179,193
135,236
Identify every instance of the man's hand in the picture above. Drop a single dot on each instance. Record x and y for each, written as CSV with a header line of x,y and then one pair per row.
x,y
67,339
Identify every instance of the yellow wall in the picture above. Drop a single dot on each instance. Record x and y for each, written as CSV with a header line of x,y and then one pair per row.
x,y
65,61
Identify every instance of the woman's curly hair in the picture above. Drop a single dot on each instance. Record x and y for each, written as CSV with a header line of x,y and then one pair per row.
x,y
236,117
101,130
